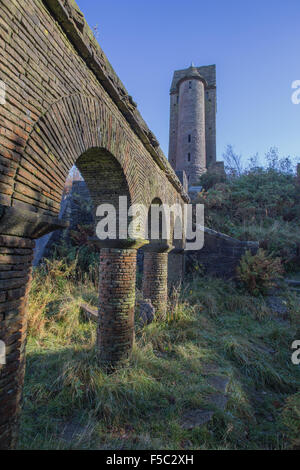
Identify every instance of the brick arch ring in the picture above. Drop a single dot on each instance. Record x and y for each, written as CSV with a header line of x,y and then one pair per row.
x,y
76,129
69,129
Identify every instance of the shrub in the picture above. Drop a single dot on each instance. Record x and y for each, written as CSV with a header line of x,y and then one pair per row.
x,y
258,272
260,204
211,178
291,419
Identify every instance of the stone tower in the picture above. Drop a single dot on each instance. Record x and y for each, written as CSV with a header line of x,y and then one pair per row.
x,y
192,145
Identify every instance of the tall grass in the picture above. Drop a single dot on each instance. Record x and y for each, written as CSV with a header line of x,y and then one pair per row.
x,y
211,328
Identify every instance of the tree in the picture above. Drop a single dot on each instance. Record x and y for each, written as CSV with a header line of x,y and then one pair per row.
x,y
233,161
74,175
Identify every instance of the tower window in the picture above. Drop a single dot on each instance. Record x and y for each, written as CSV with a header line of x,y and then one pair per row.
x,y
189,157
189,138
190,84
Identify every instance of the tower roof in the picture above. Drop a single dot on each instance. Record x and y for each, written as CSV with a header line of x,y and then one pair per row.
x,y
206,73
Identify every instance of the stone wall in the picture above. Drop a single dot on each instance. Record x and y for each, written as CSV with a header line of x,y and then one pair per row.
x,y
191,146
64,105
15,273
220,255
62,98
184,120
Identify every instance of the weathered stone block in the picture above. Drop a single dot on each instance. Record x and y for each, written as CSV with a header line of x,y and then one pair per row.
x,y
147,312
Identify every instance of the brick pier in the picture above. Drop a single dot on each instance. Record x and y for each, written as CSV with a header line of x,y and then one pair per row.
x,y
19,229
64,105
175,267
16,255
117,281
155,276
116,304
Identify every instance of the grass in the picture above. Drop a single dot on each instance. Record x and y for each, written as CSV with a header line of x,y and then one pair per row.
x,y
212,328
261,204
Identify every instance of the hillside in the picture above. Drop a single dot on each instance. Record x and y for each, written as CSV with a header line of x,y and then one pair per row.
x,y
259,204
217,374
222,359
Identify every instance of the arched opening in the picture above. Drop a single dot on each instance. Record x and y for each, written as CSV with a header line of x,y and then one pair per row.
x,y
158,222
176,256
155,267
96,178
105,178
154,232
106,182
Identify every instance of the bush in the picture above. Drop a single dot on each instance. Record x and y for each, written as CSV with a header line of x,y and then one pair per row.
x,y
259,204
211,178
258,272
291,419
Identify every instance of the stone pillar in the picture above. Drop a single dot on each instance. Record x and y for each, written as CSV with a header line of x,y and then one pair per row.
x,y
191,145
175,268
117,282
16,256
18,229
155,277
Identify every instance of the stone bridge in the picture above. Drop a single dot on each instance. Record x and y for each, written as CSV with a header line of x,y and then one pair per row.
x,y
65,105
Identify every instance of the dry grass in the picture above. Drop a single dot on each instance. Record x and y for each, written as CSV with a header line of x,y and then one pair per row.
x,y
69,402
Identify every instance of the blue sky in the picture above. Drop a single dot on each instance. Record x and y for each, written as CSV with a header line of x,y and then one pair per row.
x,y
255,45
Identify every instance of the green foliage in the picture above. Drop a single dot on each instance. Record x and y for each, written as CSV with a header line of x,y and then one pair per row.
x,y
76,244
211,178
291,419
233,162
258,272
260,204
80,237
212,328
82,256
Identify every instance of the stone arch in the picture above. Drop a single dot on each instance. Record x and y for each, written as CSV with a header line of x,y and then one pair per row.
x,y
76,129
174,219
155,271
156,201
65,104
69,131
176,263
99,162
106,182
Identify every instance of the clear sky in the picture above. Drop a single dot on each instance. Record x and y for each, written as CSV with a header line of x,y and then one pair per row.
x,y
255,45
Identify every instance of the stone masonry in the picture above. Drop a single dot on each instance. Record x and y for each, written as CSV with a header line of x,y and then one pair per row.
x,y
16,255
220,255
155,276
116,304
193,108
65,105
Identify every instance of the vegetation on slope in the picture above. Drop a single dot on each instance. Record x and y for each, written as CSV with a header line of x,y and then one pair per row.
x,y
212,328
260,204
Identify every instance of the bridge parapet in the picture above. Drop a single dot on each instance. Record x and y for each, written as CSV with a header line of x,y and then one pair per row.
x,y
63,104
72,20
